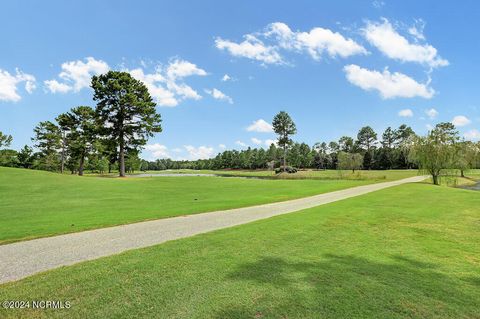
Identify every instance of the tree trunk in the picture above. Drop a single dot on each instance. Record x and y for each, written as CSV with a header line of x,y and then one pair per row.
x,y
462,173
62,168
122,157
284,158
435,179
80,167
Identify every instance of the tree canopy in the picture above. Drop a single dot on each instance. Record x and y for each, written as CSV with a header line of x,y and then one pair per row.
x,y
126,112
284,126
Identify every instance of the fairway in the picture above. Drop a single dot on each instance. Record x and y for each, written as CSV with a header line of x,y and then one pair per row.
x,y
37,204
404,252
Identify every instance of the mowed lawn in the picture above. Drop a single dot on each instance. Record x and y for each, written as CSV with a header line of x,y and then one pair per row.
x,y
411,251
35,203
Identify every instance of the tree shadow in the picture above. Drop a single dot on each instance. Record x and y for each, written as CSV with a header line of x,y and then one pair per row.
x,y
344,286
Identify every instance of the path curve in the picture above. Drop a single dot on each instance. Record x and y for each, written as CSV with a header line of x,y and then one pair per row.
x,y
22,259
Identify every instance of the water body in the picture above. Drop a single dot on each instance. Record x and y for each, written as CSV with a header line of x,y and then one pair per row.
x,y
169,175
196,174
475,187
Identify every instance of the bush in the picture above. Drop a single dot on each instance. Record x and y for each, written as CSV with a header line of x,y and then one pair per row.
x,y
288,169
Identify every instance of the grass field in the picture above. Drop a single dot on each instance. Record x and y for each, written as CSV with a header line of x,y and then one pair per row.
x,y
37,203
410,251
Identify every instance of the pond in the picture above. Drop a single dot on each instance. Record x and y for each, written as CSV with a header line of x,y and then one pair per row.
x,y
169,175
475,187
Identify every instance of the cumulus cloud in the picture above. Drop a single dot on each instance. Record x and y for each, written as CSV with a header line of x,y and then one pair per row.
x,y
76,75
181,68
166,83
251,48
389,85
260,126
226,78
201,152
266,46
157,151
385,38
472,134
405,113
155,82
219,95
431,113
9,82
222,146
461,120
316,42
270,142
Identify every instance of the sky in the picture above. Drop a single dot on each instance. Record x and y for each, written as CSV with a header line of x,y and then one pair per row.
x,y
219,71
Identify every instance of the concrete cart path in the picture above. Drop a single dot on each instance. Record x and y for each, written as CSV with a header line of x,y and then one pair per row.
x,y
22,259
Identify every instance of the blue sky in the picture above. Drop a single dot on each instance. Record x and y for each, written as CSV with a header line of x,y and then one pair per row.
x,y
333,65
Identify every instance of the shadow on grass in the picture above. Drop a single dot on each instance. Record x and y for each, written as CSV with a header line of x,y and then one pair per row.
x,y
350,287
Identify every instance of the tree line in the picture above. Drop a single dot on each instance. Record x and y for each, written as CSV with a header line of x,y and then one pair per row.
x,y
438,153
363,151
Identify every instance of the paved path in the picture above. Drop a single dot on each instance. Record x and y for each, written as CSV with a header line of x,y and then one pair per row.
x,y
22,259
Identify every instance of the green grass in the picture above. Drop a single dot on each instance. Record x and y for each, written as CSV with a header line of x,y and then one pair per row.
x,y
406,252
37,204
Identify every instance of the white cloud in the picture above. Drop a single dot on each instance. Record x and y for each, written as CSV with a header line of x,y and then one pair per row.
x,y
181,68
256,141
201,152
270,142
155,84
461,120
265,46
260,126
77,75
222,146
389,85
385,38
319,41
429,127
226,78
165,83
219,95
405,113
472,134
416,31
251,48
157,151
56,87
9,82
431,113
240,143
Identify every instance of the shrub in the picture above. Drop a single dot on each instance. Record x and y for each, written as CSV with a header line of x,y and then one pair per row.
x,y
288,169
